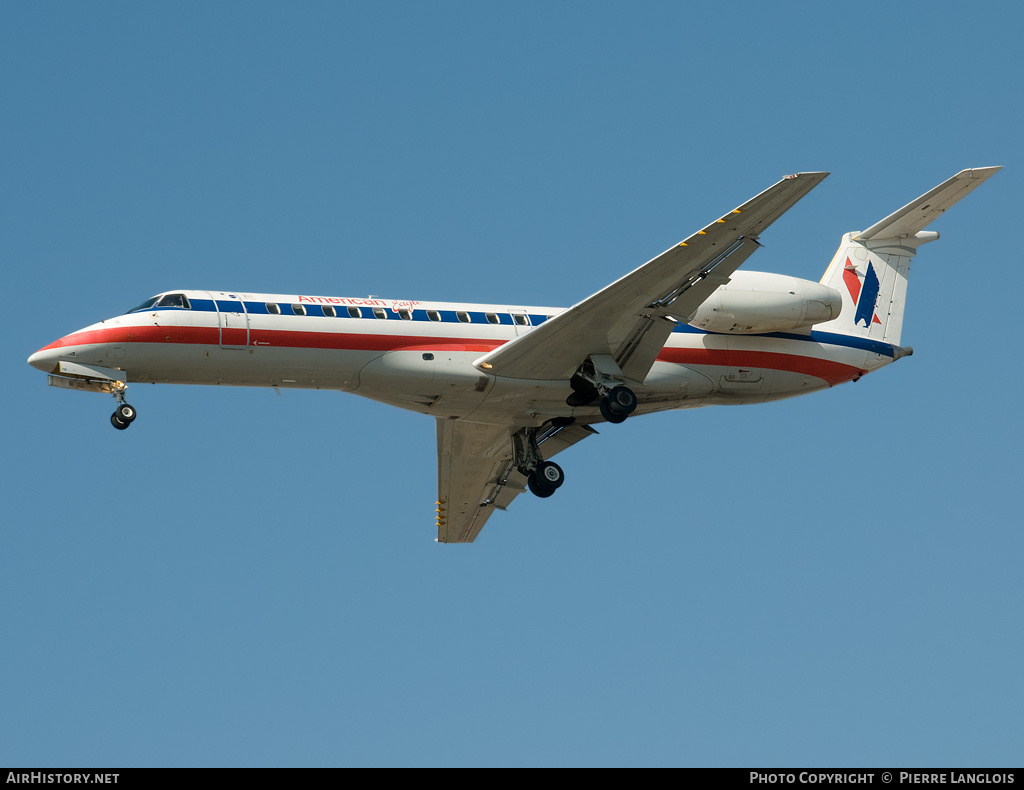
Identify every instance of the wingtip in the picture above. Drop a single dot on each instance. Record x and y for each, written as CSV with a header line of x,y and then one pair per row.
x,y
980,172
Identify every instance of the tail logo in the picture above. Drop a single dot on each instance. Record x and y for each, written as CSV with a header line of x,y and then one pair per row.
x,y
864,296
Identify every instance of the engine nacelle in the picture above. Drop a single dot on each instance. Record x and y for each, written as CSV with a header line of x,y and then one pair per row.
x,y
756,302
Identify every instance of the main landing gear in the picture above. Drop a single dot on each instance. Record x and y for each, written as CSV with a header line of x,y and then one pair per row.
x,y
618,404
600,377
124,414
543,478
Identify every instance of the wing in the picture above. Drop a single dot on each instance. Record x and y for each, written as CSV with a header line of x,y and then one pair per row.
x,y
632,318
475,474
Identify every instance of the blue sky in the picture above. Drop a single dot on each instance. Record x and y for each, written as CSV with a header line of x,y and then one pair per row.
x,y
251,579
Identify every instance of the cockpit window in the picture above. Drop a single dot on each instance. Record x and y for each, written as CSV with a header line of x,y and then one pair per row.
x,y
145,305
174,300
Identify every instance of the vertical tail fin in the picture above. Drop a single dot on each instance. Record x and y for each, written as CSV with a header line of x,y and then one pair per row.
x,y
872,280
870,268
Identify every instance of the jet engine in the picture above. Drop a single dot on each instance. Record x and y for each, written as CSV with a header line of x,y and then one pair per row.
x,y
752,303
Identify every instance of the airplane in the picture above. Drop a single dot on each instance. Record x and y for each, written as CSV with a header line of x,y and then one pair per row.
x,y
511,386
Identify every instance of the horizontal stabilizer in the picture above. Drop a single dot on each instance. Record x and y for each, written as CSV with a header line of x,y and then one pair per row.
x,y
917,215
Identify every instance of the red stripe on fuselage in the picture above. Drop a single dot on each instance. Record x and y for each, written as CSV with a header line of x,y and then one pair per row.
x,y
268,338
827,370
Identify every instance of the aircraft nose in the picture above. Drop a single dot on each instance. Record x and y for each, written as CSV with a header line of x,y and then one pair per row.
x,y
45,359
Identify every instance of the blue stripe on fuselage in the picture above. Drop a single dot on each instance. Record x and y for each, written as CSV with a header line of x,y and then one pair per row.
x,y
825,338
479,318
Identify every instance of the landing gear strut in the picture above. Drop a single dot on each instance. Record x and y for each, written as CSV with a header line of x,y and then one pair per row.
x,y
124,414
542,477
600,377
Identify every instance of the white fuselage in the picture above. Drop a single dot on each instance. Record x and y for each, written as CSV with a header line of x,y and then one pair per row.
x,y
419,355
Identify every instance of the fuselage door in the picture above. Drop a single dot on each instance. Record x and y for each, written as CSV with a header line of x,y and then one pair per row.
x,y
520,319
234,321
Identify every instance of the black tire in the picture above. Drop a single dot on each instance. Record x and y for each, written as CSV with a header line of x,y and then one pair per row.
x,y
117,423
536,488
622,400
608,414
125,413
549,475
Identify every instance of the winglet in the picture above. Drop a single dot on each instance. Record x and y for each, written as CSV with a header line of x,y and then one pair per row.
x,y
917,215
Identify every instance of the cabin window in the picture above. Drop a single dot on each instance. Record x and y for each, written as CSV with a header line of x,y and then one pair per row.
x,y
520,319
433,315
380,312
298,309
174,300
329,311
273,309
404,314
492,318
428,357
463,317
354,312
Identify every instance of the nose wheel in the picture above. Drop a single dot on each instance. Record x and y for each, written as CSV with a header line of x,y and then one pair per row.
x,y
123,416
125,413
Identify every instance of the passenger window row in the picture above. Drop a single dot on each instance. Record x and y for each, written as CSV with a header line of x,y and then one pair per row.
x,y
404,313
273,308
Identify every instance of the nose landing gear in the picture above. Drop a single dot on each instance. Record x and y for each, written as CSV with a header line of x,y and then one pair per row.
x,y
124,414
